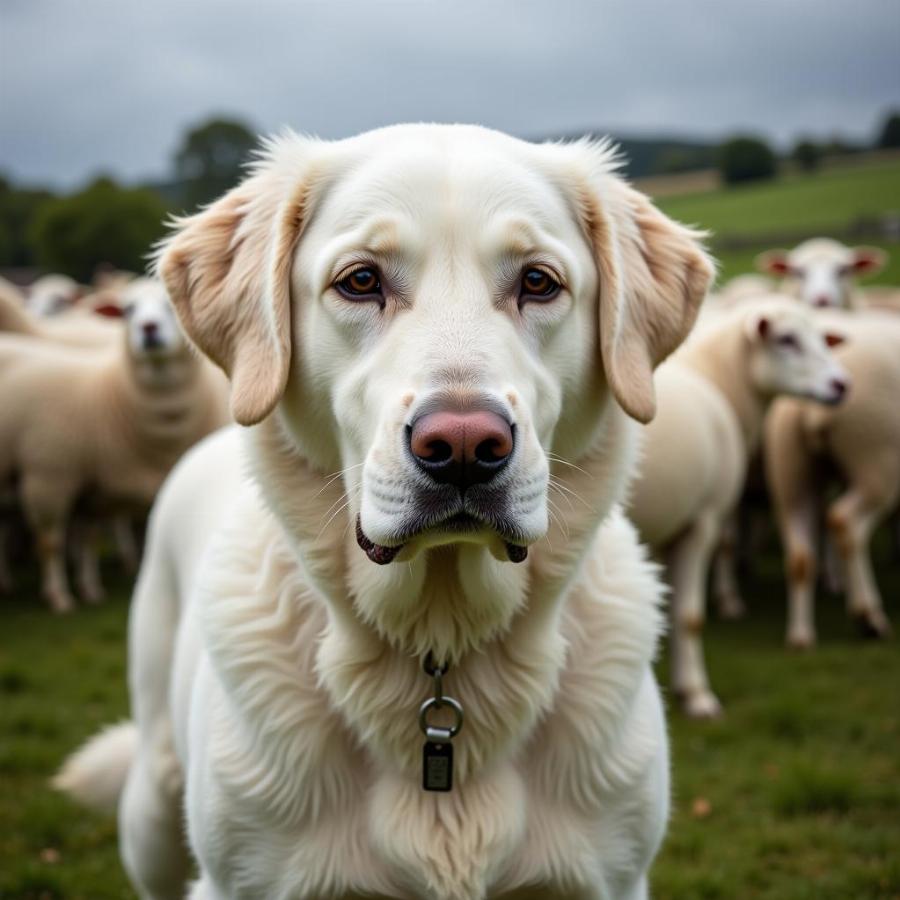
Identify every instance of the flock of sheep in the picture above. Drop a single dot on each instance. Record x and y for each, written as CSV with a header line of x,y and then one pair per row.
x,y
100,395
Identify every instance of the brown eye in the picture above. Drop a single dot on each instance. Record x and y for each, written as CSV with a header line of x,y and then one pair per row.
x,y
361,283
539,285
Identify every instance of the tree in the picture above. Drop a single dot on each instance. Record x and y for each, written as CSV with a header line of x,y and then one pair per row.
x,y
807,155
104,223
746,158
890,132
210,158
18,207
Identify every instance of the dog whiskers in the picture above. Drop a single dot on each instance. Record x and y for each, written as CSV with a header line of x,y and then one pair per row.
x,y
564,462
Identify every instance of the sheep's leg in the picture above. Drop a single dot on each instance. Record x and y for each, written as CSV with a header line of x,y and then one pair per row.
x,y
689,559
126,543
799,536
90,585
725,584
47,504
789,472
852,518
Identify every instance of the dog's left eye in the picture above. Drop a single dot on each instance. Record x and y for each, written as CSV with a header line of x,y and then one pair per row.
x,y
538,285
365,282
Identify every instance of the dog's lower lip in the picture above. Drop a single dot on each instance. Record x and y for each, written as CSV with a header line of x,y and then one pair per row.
x,y
516,552
378,553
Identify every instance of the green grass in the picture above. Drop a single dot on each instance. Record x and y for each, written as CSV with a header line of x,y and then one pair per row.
x,y
822,203
793,795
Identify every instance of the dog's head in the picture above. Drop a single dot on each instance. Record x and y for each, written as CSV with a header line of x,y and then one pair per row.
x,y
436,311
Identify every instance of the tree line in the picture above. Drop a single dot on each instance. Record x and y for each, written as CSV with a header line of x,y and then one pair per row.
x,y
106,224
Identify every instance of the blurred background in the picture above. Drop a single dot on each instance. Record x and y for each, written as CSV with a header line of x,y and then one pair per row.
x,y
768,123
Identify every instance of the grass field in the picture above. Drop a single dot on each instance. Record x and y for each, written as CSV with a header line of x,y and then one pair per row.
x,y
793,795
822,204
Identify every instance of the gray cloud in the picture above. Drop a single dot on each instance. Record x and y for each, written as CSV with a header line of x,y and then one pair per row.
x,y
109,86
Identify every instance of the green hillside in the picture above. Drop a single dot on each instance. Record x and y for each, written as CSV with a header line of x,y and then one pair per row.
x,y
823,204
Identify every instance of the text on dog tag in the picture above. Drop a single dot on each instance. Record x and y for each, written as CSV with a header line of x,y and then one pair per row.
x,y
437,766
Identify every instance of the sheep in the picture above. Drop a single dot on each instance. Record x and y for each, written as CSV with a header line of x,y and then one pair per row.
x,y
821,272
102,427
52,294
712,396
93,324
861,439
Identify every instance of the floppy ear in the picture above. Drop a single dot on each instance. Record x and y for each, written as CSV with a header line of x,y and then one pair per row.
x,y
654,273
227,270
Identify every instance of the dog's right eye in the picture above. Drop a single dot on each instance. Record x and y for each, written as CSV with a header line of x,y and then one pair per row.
x,y
361,283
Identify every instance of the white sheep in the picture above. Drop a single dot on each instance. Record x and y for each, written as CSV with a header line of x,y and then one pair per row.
x,y
712,396
100,427
94,323
822,272
51,295
861,438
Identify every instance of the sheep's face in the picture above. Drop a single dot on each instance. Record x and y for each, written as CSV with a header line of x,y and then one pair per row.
x,y
821,272
153,330
791,354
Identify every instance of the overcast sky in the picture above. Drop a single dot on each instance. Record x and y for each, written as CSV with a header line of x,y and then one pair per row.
x,y
109,85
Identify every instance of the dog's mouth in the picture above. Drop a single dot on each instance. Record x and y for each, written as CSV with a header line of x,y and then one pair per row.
x,y
459,523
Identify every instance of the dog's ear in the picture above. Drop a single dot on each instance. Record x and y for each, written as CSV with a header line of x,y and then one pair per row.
x,y
227,270
654,274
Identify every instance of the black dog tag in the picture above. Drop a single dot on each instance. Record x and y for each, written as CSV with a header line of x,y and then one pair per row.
x,y
437,766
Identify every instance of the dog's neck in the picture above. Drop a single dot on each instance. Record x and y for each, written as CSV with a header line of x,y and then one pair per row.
x,y
496,623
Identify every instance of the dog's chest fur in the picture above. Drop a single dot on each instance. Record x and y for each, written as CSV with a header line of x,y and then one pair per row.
x,y
313,738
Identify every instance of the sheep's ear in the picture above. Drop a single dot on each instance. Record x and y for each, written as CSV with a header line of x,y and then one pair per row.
x,y
654,274
868,260
773,262
227,270
106,302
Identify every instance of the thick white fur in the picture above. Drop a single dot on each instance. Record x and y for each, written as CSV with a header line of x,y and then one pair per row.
x,y
275,671
96,773
713,395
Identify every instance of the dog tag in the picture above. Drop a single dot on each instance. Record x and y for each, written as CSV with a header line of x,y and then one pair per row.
x,y
437,766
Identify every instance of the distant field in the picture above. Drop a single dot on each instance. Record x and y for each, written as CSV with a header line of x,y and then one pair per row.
x,y
794,795
822,203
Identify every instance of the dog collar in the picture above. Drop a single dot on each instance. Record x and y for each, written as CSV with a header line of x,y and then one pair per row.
x,y
437,753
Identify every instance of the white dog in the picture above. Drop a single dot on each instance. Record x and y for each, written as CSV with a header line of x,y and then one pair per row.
x,y
428,328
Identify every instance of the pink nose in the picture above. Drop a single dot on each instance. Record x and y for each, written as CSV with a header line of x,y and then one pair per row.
x,y
823,301
461,448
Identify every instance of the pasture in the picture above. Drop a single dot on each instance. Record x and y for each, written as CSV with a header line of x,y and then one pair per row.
x,y
793,795
826,203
